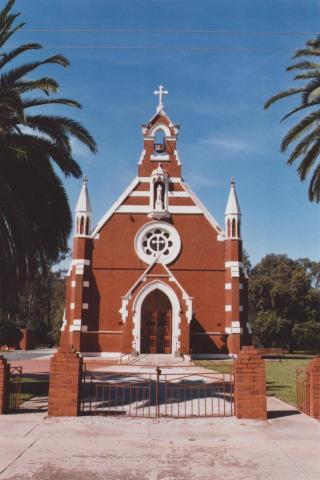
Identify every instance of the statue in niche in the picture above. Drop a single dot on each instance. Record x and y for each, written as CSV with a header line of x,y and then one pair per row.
x,y
158,204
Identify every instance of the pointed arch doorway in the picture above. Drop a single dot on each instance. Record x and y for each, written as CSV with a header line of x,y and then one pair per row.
x,y
156,323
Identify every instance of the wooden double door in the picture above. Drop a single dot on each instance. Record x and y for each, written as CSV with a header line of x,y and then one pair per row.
x,y
156,323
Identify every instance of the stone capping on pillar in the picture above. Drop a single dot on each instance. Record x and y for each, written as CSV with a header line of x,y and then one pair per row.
x,y
314,378
250,385
4,385
65,383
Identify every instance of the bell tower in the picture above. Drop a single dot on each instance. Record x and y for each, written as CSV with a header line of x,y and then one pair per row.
x,y
160,142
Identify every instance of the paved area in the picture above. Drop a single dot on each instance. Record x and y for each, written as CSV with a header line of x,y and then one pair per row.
x,y
32,361
37,448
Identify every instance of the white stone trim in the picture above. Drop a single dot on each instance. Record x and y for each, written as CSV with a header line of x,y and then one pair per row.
x,y
141,157
231,330
136,310
235,324
235,272
114,207
178,209
171,179
85,306
157,127
185,296
174,250
72,305
73,283
86,283
80,261
159,158
64,321
177,157
228,308
146,193
240,308
206,213
233,264
227,286
249,328
76,325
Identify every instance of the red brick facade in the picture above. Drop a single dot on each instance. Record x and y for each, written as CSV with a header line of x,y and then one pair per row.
x,y
109,278
314,379
250,385
4,385
65,384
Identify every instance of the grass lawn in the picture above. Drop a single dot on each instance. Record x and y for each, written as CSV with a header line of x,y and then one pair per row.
x,y
281,374
34,385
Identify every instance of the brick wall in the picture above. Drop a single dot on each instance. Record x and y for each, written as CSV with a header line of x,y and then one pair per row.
x,y
250,385
65,383
314,372
4,385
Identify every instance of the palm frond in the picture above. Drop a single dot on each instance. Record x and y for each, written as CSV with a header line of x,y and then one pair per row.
x,y
279,96
302,147
308,75
305,65
301,107
314,186
7,57
46,84
308,160
308,52
36,102
297,130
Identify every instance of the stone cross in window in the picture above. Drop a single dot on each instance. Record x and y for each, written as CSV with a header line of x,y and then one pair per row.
x,y
160,92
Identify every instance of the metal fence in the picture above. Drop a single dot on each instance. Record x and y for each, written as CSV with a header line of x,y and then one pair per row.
x,y
15,388
303,390
158,393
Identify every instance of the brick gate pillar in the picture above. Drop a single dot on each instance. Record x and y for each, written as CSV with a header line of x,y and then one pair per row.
x,y
4,385
65,383
314,376
250,385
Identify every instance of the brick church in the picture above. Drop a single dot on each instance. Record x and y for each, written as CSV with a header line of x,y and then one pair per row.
x,y
157,274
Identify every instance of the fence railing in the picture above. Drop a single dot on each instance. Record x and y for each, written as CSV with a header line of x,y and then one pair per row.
x,y
158,393
303,390
15,388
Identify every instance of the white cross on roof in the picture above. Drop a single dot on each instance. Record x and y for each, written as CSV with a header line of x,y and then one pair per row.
x,y
160,92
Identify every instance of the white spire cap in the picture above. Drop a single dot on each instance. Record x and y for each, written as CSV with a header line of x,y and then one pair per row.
x,y
83,204
233,207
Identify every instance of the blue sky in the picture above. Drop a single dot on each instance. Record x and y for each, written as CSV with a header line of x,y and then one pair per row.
x,y
216,95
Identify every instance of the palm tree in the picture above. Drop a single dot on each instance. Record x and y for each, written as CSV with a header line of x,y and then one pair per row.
x,y
305,134
35,217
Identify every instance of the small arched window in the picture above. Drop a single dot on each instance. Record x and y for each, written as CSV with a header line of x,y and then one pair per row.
x,y
81,226
234,233
159,141
238,226
87,226
228,229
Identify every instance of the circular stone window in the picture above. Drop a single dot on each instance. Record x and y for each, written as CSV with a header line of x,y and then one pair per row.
x,y
157,240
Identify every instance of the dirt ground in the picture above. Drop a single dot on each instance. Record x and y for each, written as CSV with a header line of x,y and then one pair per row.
x,y
35,447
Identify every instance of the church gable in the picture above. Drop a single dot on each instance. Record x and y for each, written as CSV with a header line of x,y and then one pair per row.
x,y
157,260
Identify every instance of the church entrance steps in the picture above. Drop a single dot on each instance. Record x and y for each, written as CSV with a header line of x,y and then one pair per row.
x,y
156,359
175,391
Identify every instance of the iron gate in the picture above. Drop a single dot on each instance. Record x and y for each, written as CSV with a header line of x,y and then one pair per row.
x,y
15,388
303,390
159,393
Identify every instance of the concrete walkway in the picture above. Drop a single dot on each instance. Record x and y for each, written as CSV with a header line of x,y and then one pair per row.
x,y
37,448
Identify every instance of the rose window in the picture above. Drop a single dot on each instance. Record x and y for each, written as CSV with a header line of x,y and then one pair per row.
x,y
157,240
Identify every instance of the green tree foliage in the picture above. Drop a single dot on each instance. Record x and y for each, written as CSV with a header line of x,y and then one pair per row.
x,y
35,218
283,294
305,134
9,331
39,307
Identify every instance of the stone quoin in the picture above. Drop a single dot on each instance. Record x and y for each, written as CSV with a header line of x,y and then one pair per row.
x,y
157,274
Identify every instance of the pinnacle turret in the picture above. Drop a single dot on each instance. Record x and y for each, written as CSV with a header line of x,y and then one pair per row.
x,y
233,213
83,211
